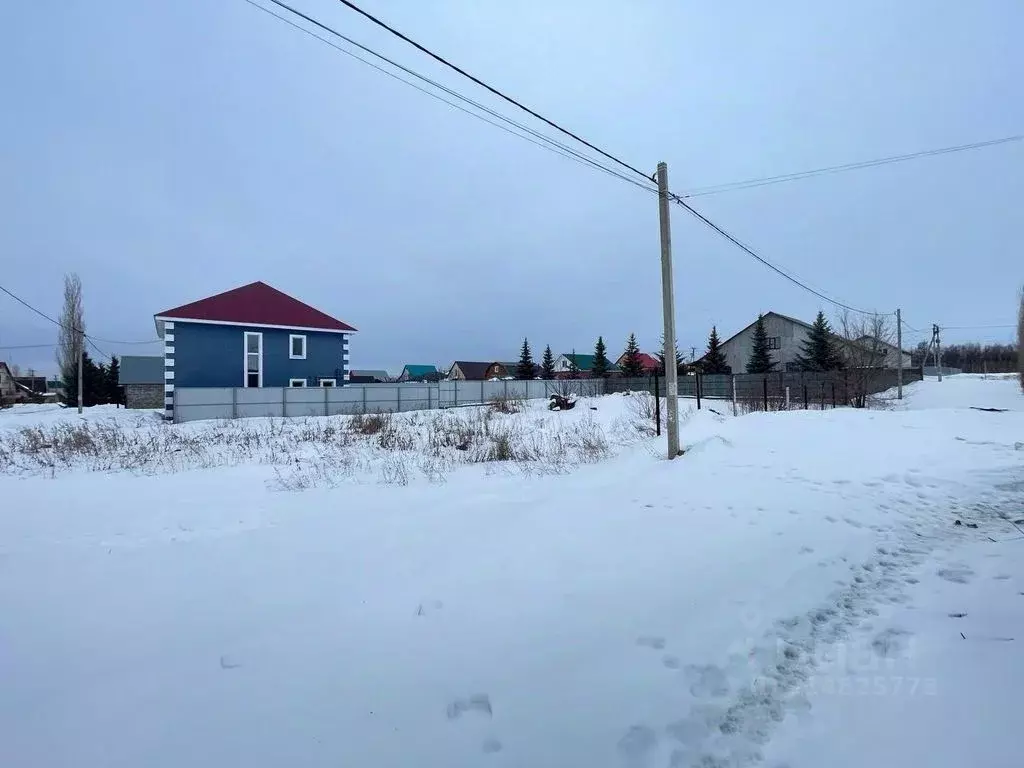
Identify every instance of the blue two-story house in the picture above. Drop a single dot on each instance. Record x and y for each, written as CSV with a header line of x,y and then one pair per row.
x,y
252,336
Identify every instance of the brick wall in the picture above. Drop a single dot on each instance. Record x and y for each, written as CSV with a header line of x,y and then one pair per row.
x,y
144,395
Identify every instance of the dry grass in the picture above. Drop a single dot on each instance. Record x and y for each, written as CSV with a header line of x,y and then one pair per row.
x,y
316,452
506,405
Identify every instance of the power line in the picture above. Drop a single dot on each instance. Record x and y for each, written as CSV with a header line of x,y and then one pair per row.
x,y
546,142
778,270
29,346
492,89
86,336
976,327
767,180
549,122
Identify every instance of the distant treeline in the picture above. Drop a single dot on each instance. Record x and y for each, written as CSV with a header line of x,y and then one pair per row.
x,y
972,358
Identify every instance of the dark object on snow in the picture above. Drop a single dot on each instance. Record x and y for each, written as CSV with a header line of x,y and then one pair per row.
x,y
463,446
593,407
969,525
558,402
957,615
989,410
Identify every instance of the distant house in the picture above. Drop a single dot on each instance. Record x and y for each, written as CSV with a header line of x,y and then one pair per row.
x,y
34,384
469,370
142,379
252,336
879,354
8,389
786,338
368,377
512,370
649,363
564,364
419,373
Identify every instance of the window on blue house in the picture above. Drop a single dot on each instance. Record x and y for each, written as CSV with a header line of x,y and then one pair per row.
x,y
297,347
253,359
296,382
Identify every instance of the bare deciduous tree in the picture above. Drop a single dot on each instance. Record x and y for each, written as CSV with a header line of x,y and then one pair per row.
x,y
868,347
72,327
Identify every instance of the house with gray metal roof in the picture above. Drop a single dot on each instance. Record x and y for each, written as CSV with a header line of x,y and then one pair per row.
x,y
142,379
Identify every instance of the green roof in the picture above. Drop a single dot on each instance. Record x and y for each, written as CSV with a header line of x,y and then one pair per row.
x,y
419,370
586,362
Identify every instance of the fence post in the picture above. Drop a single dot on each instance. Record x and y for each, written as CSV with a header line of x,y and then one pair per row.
x,y
364,398
696,385
764,386
481,390
833,394
284,402
787,398
505,382
657,408
234,402
398,389
806,404
735,411
326,409
822,385
429,390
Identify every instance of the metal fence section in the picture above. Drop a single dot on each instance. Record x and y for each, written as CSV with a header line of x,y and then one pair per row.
x,y
194,403
773,391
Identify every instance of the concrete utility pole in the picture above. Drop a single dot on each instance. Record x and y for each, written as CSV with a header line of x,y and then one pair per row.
x,y
938,352
669,308
81,350
899,354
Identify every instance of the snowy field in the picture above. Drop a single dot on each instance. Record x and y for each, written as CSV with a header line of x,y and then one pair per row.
x,y
532,589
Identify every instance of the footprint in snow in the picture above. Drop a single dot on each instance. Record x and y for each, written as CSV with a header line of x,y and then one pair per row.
x,y
707,681
637,744
478,702
958,574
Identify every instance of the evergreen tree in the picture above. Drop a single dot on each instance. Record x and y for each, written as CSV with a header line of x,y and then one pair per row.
x,y
525,368
574,369
760,357
661,358
714,358
601,363
632,367
113,375
94,383
819,351
547,364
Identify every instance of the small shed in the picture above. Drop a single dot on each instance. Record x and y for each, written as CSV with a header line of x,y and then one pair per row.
x,y
142,378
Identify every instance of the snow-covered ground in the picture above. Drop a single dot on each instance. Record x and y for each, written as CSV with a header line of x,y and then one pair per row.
x,y
783,591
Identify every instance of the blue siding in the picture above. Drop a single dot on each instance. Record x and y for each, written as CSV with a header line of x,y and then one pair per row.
x,y
213,356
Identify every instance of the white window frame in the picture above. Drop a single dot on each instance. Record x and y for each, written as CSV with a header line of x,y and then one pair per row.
x,y
296,383
323,382
291,346
245,357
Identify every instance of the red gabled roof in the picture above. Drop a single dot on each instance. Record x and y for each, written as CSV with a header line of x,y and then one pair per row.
x,y
257,304
649,362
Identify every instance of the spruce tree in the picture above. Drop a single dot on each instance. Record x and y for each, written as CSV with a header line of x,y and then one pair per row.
x,y
661,358
632,367
601,363
547,364
819,351
714,359
113,377
525,368
760,357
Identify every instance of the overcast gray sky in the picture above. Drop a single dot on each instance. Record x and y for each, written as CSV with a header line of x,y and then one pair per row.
x,y
171,149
